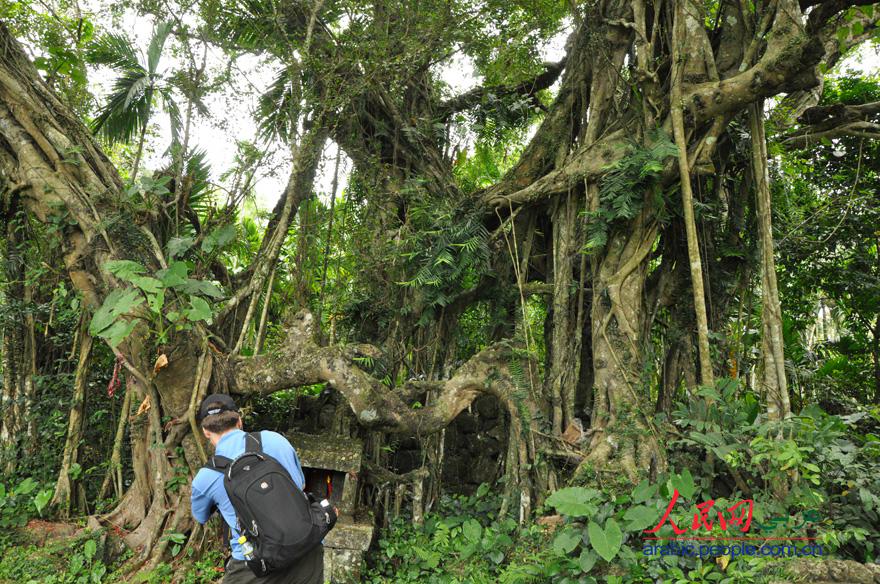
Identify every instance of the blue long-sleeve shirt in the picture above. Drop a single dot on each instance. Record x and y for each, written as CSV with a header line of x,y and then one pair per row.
x,y
208,491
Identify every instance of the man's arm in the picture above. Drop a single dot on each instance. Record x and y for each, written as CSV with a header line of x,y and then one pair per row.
x,y
202,504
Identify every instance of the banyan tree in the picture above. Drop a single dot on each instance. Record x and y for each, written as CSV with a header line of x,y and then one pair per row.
x,y
598,217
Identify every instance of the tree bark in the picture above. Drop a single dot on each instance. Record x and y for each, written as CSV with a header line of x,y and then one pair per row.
x,y
264,315
773,377
562,377
114,468
875,355
17,348
621,423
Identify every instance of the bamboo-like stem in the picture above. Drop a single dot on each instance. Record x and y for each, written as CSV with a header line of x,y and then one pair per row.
x,y
774,379
114,471
333,188
264,315
140,150
203,376
63,486
248,317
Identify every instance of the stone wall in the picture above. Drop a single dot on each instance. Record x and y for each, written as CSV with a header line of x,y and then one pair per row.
x,y
473,448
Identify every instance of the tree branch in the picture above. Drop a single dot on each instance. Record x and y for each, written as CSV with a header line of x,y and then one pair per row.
x,y
299,186
301,361
830,121
788,63
475,96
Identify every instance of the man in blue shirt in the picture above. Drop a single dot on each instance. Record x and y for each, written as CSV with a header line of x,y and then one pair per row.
x,y
221,423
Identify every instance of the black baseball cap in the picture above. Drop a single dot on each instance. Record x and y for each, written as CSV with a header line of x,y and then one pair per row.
x,y
219,402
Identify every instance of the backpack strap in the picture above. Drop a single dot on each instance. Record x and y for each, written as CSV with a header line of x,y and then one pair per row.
x,y
253,442
218,463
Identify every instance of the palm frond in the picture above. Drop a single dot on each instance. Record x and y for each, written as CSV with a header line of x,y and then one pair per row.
x,y
199,171
136,90
116,51
157,42
173,111
277,108
122,118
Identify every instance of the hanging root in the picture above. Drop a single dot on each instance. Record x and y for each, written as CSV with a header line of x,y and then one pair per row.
x,y
524,479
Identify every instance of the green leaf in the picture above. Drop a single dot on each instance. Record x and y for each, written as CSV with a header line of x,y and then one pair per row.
x,y
124,269
154,52
25,487
587,560
472,530
116,303
76,563
175,275
574,501
606,541
644,491
147,284
684,482
177,246
75,471
198,310
42,499
118,332
156,301
641,517
204,287
565,542
867,498
218,238
89,549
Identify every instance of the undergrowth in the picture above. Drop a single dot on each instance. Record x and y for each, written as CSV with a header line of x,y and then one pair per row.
x,y
812,481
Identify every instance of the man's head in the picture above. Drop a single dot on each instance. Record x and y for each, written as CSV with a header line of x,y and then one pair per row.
x,y
217,415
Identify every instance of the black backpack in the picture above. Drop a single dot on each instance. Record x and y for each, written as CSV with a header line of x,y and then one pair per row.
x,y
274,514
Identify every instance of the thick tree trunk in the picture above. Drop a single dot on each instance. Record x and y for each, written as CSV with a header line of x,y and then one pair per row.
x,y
30,366
875,355
17,349
621,424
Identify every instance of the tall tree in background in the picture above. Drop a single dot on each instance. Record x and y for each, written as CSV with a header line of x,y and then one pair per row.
x,y
827,179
